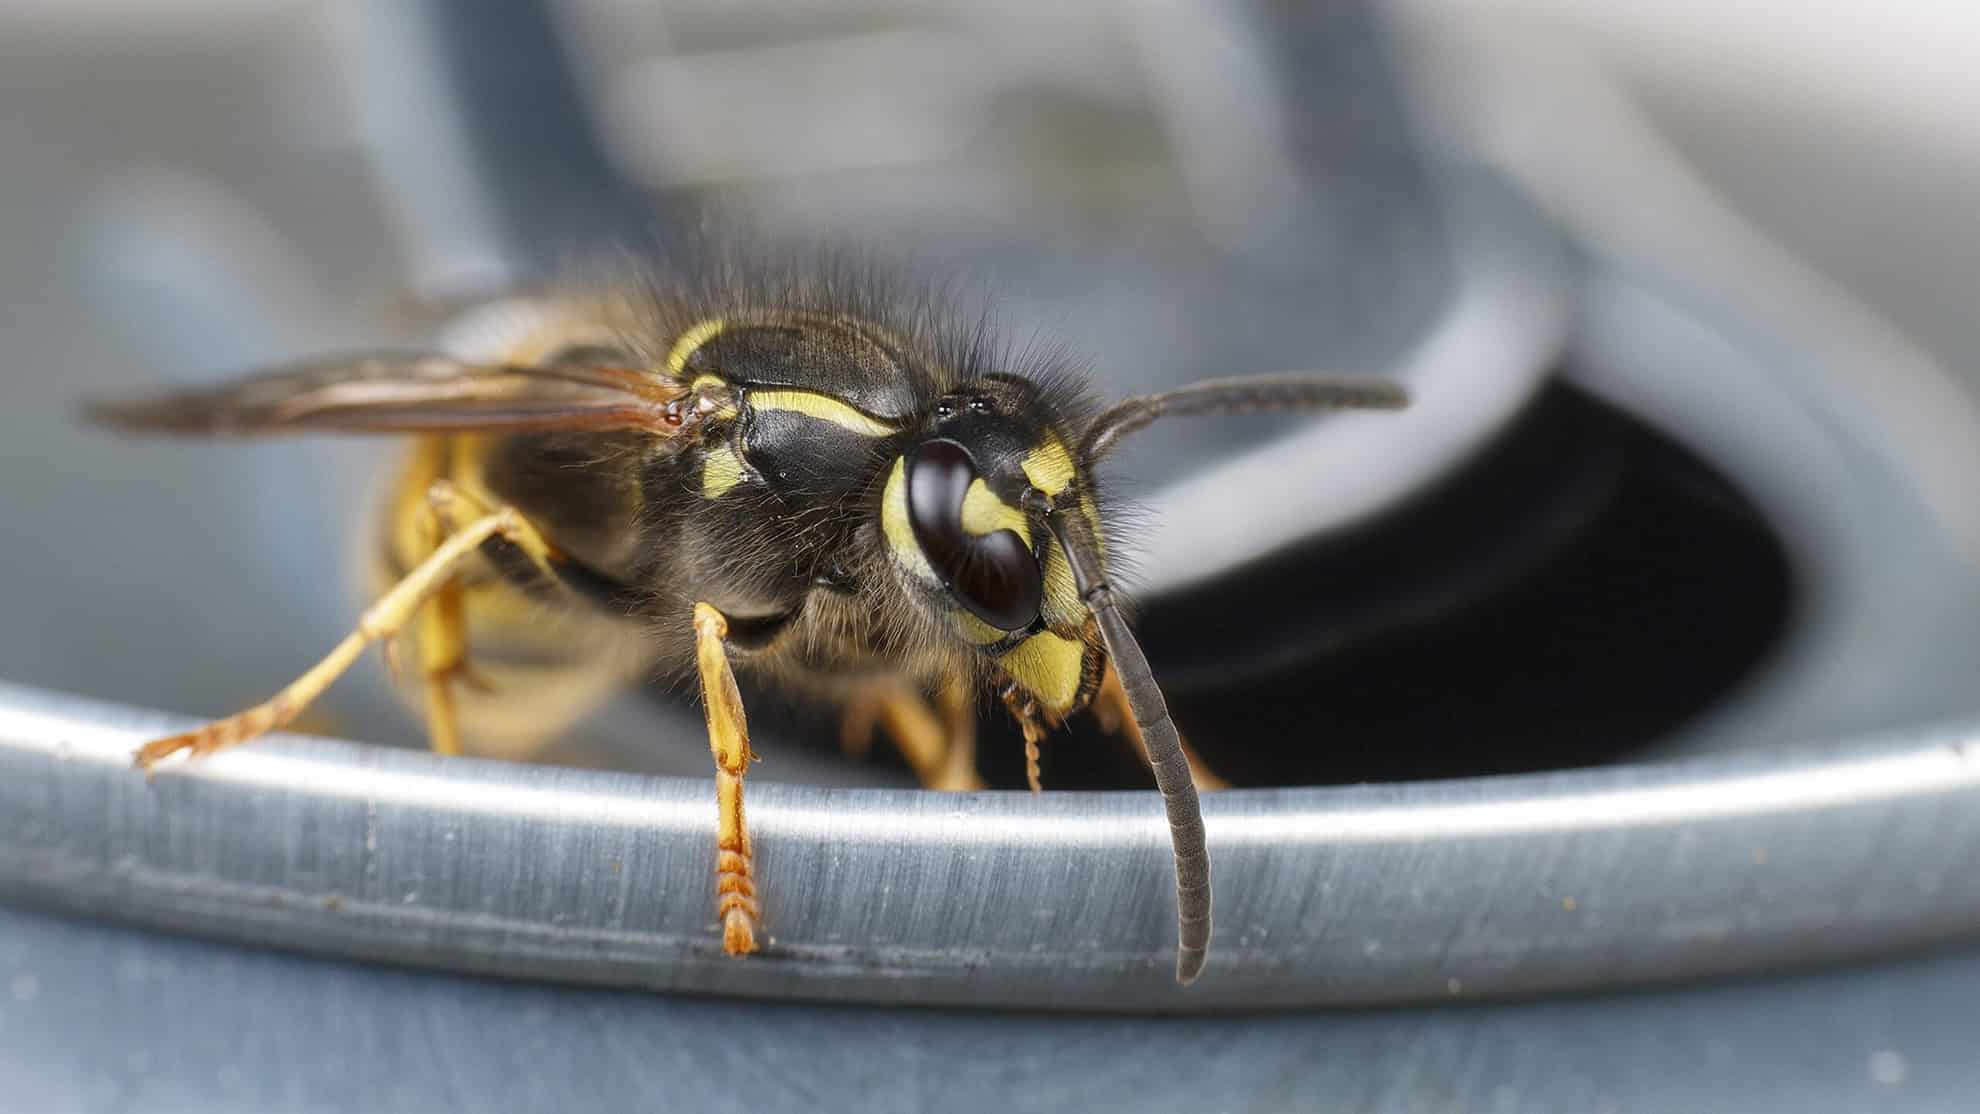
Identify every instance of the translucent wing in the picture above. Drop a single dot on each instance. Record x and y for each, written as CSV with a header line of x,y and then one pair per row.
x,y
407,393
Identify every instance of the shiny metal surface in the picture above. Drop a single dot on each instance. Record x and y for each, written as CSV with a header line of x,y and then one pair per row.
x,y
1374,894
98,1019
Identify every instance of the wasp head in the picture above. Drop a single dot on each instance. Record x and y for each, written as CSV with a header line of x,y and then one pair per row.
x,y
963,513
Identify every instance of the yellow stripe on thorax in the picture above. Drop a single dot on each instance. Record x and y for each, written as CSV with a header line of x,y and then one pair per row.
x,y
721,470
823,407
693,338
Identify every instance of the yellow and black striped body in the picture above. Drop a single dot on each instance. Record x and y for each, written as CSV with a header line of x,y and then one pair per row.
x,y
840,490
789,513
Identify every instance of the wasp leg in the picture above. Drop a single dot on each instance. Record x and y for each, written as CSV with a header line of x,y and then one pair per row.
x,y
1035,725
1111,711
728,738
442,657
443,633
382,620
955,701
939,743
442,638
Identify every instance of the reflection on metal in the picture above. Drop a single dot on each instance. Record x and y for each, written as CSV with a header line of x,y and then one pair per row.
x,y
1370,894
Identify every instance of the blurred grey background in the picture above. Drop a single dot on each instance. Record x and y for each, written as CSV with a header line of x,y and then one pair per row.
x,y
1747,228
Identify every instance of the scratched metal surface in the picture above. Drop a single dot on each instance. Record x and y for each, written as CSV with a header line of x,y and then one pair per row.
x,y
1372,894
185,1025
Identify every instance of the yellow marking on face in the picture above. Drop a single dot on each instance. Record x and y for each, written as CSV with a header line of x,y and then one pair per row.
x,y
1093,519
978,631
1062,602
895,527
983,513
1049,667
695,337
721,470
823,407
1049,467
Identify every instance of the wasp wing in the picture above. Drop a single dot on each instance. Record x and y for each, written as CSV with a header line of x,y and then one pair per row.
x,y
405,393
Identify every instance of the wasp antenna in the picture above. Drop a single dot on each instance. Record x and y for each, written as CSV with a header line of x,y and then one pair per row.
x,y
1253,394
1158,731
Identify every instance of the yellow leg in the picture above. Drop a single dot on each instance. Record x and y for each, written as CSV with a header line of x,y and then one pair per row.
x,y
728,738
443,634
442,628
383,620
955,702
939,745
1111,711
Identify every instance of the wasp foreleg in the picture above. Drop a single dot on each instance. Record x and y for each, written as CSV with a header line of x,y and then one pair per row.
x,y
728,738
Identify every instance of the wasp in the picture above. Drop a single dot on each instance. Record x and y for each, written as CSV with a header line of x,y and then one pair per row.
x,y
809,479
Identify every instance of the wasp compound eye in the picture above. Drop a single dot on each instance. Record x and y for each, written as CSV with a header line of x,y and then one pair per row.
x,y
994,575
